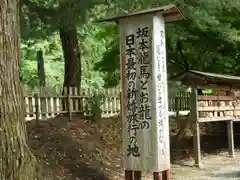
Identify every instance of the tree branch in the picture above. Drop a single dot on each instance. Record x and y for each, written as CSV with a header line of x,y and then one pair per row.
x,y
43,13
185,63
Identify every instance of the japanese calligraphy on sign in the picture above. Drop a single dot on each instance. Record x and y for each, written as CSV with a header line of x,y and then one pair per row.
x,y
131,104
144,94
161,88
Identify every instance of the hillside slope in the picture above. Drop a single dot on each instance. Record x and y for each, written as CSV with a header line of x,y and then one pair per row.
x,y
82,150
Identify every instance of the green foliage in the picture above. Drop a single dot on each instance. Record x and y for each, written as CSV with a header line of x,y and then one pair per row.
x,y
207,91
111,61
53,62
40,23
96,103
208,40
92,48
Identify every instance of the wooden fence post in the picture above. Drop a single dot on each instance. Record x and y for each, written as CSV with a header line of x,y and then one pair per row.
x,y
120,103
196,128
37,108
230,138
27,111
176,107
69,106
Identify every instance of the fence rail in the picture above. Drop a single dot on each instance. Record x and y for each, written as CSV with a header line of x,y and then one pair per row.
x,y
42,106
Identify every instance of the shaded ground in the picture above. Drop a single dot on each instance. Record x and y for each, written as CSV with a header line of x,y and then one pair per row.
x,y
216,167
91,151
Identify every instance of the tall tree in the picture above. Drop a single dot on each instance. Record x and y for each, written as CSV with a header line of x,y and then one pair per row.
x,y
72,56
16,160
63,16
208,40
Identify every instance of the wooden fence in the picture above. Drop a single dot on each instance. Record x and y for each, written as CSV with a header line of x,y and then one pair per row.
x,y
43,106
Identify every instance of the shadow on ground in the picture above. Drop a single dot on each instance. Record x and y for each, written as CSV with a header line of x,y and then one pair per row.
x,y
66,152
212,143
83,152
230,174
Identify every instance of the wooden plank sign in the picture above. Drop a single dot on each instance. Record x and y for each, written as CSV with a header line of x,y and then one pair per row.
x,y
144,93
40,67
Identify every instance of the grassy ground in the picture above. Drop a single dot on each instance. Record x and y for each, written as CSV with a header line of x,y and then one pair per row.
x,y
82,150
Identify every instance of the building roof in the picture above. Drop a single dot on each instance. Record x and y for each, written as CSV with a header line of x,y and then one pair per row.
x,y
170,13
206,79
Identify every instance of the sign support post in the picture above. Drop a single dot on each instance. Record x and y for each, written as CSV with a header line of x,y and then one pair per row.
x,y
144,96
128,175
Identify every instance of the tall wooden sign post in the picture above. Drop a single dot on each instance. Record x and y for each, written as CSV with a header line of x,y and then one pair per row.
x,y
42,81
144,91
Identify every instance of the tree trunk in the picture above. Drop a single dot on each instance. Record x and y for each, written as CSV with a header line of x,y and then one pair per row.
x,y
71,52
16,160
72,57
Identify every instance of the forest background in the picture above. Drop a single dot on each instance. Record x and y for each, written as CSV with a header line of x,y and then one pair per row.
x,y
79,51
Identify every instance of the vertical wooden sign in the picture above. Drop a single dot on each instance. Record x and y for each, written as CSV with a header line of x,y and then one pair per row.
x,y
145,97
42,83
144,89
161,87
40,67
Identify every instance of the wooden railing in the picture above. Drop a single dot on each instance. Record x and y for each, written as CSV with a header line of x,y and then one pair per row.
x,y
82,101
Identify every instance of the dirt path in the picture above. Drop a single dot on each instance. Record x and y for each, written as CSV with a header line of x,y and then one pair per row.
x,y
90,151
215,167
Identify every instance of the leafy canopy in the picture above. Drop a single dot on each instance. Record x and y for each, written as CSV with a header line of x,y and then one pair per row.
x,y
208,40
